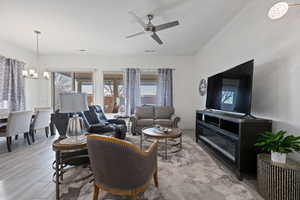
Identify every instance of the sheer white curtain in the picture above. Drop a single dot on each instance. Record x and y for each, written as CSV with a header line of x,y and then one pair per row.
x,y
12,94
132,79
165,87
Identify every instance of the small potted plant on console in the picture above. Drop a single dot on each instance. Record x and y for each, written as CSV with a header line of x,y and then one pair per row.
x,y
279,144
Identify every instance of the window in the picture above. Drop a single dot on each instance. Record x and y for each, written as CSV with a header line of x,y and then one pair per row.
x,y
114,99
113,92
72,81
148,88
83,82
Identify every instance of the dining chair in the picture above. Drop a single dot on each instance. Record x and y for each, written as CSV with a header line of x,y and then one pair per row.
x,y
40,121
120,167
17,123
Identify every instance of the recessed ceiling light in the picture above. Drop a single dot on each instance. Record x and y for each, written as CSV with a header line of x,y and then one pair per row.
x,y
83,50
149,51
278,10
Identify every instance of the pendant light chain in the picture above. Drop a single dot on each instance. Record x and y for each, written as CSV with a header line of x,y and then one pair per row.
x,y
37,50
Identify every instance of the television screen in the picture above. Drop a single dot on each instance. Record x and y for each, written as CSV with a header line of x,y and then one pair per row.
x,y
231,90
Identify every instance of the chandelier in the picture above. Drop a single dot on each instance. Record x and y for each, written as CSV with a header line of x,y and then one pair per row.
x,y
32,73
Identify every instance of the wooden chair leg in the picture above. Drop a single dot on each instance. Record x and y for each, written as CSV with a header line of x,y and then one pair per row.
x,y
47,131
26,135
96,192
8,143
155,177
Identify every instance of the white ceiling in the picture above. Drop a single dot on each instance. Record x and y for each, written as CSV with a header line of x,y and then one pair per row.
x,y
101,25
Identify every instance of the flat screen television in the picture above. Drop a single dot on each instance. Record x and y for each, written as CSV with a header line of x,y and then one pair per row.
x,y
231,90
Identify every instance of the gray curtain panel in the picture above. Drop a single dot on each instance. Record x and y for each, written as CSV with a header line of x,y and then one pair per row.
x,y
132,79
165,87
12,90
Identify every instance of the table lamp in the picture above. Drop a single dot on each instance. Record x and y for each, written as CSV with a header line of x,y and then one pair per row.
x,y
74,103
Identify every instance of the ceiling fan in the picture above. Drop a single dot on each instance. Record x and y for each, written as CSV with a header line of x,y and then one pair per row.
x,y
151,29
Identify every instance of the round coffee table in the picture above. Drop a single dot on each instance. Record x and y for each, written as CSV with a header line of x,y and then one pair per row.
x,y
156,134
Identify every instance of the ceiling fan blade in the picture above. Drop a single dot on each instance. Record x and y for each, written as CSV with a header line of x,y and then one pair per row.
x,y
156,38
136,34
137,19
166,25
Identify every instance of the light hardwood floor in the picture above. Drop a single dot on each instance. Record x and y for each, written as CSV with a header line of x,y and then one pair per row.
x,y
26,172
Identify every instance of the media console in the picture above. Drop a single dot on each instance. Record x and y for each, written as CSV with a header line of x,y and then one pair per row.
x,y
231,137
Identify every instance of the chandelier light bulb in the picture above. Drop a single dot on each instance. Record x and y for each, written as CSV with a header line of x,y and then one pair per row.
x,y
35,75
24,73
46,75
31,72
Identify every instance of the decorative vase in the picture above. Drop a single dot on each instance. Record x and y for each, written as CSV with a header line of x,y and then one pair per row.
x,y
278,157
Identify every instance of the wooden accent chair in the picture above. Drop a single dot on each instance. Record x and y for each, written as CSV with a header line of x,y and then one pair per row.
x,y
120,167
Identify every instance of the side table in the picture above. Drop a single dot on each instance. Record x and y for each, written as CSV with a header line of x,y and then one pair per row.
x,y
278,181
72,148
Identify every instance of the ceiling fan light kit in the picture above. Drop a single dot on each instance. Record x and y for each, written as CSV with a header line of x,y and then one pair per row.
x,y
151,29
279,9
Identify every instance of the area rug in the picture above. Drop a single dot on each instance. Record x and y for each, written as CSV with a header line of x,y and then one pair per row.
x,y
190,174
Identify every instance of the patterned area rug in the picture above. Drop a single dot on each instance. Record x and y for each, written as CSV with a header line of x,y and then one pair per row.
x,y
190,174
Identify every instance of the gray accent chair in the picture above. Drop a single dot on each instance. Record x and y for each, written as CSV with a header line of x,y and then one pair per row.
x,y
18,123
120,167
148,116
41,121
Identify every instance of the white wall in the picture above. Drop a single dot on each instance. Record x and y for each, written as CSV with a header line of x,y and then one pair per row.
x,y
38,92
183,76
275,46
12,51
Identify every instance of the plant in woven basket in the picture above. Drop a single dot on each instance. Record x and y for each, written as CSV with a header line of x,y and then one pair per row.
x,y
279,144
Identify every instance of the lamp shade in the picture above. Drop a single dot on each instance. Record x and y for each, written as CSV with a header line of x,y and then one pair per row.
x,y
73,102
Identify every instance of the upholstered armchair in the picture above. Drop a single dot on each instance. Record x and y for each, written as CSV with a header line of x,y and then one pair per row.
x,y
148,116
120,167
18,123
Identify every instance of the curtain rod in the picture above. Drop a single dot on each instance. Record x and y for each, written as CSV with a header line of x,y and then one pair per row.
x,y
149,69
4,57
52,69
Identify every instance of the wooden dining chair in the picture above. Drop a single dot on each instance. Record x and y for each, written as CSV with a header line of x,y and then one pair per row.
x,y
18,123
120,167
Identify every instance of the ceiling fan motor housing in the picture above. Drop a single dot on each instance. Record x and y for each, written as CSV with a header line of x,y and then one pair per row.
x,y
150,17
150,27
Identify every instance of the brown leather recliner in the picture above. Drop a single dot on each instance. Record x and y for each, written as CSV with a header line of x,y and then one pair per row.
x,y
120,167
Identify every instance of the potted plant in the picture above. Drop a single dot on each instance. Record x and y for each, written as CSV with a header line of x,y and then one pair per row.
x,y
279,144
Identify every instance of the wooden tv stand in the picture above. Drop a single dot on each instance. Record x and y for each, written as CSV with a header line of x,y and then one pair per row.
x,y
231,138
